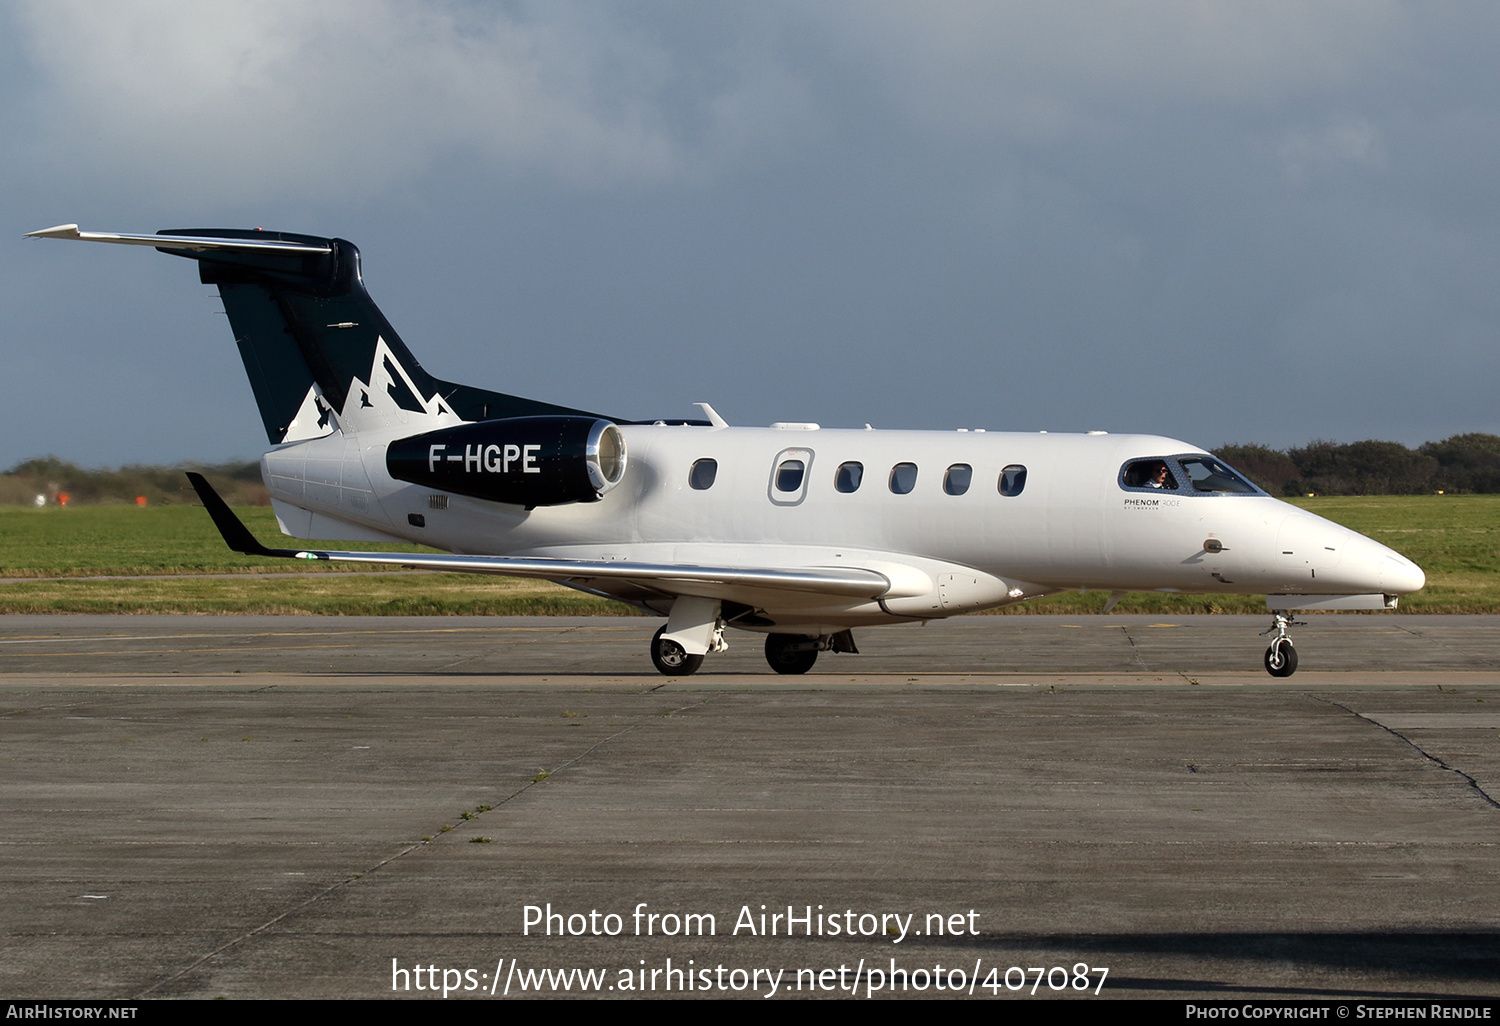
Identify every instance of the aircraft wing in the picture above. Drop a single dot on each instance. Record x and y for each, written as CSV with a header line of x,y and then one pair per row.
x,y
670,578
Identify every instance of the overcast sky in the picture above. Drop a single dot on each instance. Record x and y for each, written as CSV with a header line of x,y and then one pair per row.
x,y
1224,222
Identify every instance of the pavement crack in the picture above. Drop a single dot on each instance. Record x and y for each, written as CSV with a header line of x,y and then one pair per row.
x,y
1135,652
353,877
1423,634
1414,747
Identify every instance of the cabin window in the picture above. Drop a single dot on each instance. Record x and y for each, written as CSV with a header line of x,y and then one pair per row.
x,y
789,475
903,478
956,481
701,477
1012,479
849,477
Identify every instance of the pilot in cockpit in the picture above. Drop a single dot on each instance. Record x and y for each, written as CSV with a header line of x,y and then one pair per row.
x,y
1157,476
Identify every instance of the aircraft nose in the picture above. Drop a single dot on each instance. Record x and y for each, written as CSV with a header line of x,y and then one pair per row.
x,y
1388,570
1402,576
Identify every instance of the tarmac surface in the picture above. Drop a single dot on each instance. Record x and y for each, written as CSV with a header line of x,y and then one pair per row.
x,y
366,807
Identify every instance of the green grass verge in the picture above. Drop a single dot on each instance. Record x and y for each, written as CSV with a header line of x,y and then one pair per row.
x,y
95,541
1454,538
366,594
87,543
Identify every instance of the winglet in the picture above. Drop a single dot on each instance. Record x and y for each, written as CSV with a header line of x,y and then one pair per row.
x,y
236,535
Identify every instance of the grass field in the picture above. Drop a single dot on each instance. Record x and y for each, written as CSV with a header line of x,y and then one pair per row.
x,y
167,552
92,547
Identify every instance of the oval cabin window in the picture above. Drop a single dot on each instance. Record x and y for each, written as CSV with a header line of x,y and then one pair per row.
x,y
1012,480
701,477
957,480
903,478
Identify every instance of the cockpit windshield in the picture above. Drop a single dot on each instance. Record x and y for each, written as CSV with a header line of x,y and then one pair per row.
x,y
1209,475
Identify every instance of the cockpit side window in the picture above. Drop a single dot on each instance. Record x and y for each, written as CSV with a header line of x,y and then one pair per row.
x,y
1154,474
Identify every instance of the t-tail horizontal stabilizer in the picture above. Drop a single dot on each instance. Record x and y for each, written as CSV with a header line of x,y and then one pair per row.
x,y
267,242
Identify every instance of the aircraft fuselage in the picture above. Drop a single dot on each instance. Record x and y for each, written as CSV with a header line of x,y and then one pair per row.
x,y
1072,523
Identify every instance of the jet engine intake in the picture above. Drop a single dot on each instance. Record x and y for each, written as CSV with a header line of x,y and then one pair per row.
x,y
524,461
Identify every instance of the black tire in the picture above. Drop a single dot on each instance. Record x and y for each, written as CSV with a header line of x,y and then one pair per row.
x,y
1281,658
785,658
671,659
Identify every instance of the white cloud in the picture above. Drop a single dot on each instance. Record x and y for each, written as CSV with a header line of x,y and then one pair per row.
x,y
1348,141
246,97
1043,69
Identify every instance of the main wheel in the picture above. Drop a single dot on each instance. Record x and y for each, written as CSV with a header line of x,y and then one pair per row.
x,y
1281,658
671,658
784,655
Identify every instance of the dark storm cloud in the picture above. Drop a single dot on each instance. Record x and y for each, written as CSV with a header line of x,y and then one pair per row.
x,y
1224,222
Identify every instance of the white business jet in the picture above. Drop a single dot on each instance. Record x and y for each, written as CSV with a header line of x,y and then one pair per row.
x,y
792,531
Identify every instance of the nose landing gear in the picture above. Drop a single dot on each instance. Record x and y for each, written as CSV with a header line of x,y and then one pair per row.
x,y
1281,657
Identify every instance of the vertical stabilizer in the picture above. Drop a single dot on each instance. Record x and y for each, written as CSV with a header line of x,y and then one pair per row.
x,y
320,355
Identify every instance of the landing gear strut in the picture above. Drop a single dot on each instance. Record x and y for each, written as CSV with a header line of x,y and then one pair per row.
x,y
671,658
1281,657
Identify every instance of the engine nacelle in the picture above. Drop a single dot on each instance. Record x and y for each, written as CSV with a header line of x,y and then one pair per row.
x,y
525,461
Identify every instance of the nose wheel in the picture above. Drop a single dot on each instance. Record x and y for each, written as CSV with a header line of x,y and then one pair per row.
x,y
1281,657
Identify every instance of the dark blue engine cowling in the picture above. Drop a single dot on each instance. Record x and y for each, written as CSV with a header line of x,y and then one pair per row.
x,y
525,461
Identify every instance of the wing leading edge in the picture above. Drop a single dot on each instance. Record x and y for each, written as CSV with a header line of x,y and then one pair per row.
x,y
838,582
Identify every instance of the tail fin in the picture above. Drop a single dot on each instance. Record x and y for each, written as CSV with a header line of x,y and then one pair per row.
x,y
319,353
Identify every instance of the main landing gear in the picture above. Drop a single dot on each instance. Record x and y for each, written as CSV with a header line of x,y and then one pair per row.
x,y
786,653
791,653
671,658
1281,657
796,653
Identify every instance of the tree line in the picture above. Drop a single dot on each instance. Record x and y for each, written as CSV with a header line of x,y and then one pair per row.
x,y
1461,464
52,479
